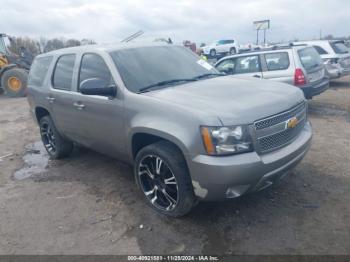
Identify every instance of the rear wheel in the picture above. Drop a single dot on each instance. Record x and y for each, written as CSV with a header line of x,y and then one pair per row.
x,y
56,146
233,51
161,174
14,82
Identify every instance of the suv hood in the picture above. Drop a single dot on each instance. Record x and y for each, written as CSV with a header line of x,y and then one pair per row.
x,y
233,100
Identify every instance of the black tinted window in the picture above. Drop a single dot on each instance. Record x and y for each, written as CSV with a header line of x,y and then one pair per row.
x,y
339,47
38,71
277,61
144,66
93,66
62,77
320,50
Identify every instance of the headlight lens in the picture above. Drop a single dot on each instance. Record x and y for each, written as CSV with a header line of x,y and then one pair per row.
x,y
226,140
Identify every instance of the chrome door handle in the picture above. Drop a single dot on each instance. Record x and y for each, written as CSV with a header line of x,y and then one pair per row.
x,y
78,105
51,99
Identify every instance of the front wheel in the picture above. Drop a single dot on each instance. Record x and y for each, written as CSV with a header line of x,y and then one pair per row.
x,y
161,174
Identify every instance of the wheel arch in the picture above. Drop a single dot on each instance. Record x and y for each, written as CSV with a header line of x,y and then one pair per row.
x,y
144,137
40,112
7,67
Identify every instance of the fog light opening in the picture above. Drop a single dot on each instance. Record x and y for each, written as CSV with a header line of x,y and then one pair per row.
x,y
232,193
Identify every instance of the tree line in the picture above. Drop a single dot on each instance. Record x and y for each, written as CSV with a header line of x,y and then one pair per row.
x,y
43,45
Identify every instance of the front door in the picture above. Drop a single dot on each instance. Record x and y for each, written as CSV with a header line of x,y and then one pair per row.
x,y
99,118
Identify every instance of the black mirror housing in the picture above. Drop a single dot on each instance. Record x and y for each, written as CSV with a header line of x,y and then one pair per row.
x,y
98,87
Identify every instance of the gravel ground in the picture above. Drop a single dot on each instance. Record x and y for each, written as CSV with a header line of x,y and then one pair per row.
x,y
88,204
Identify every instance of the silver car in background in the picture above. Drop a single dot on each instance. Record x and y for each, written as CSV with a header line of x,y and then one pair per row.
x,y
335,55
300,66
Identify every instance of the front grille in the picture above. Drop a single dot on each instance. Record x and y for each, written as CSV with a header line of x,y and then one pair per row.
x,y
277,140
273,120
272,132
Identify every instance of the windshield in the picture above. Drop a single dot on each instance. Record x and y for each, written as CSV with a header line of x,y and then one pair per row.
x,y
309,58
147,66
339,47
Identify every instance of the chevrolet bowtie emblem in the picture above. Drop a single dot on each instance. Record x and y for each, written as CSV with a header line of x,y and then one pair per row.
x,y
291,123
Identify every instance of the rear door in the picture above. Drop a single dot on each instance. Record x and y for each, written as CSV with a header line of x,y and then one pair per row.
x,y
60,95
278,67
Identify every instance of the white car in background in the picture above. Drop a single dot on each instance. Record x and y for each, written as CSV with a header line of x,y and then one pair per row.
x,y
220,47
335,55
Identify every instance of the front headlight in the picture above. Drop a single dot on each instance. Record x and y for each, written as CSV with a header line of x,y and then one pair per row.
x,y
226,140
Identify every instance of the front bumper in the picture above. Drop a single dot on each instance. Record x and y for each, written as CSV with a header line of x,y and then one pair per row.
x,y
216,178
316,88
344,71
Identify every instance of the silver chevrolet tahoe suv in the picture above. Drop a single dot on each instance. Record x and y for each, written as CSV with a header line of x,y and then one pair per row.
x,y
190,132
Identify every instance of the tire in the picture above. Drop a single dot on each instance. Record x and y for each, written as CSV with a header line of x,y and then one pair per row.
x,y
233,51
173,160
56,146
14,82
213,53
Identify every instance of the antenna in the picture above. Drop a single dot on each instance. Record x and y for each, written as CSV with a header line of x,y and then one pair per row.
x,y
132,37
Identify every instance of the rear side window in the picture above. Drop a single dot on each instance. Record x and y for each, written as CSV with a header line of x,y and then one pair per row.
x,y
38,70
339,47
309,58
320,50
247,64
277,61
93,66
63,74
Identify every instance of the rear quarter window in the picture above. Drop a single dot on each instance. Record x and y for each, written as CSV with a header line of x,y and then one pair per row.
x,y
63,73
277,61
38,70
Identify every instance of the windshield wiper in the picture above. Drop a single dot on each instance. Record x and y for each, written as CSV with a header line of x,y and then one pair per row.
x,y
207,75
166,82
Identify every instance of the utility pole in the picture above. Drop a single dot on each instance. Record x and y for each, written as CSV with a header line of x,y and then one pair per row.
x,y
320,34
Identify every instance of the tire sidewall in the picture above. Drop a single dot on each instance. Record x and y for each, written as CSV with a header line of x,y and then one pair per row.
x,y
233,51
22,75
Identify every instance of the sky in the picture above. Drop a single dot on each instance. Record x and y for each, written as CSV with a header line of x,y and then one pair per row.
x,y
108,21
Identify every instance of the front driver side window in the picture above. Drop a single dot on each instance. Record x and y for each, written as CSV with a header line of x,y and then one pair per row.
x,y
93,66
227,66
247,64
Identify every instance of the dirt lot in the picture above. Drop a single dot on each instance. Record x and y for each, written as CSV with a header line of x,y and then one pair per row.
x,y
88,204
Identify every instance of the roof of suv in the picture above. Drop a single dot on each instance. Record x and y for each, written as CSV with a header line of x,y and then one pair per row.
x,y
103,47
274,49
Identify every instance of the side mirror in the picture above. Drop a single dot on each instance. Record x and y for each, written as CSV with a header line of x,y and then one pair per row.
x,y
98,87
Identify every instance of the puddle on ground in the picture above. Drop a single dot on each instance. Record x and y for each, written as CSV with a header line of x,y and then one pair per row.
x,y
35,161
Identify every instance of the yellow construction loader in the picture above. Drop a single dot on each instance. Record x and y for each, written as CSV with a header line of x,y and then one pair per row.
x,y
14,69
